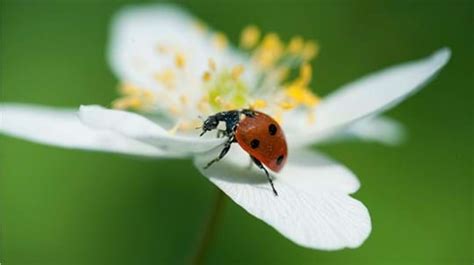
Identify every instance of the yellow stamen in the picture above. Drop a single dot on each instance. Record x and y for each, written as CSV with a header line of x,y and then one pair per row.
x,y
127,102
302,95
203,106
218,100
283,74
220,40
249,37
180,60
258,104
184,99
166,78
310,50
285,105
296,45
306,72
270,50
160,48
206,76
149,95
200,26
237,71
224,104
212,64
119,103
128,89
175,110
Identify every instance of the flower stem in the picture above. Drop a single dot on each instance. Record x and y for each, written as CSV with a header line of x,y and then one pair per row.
x,y
209,229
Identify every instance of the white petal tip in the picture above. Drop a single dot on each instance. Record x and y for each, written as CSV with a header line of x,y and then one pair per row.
x,y
442,56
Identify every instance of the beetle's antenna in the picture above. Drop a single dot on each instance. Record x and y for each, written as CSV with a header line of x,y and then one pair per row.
x,y
202,119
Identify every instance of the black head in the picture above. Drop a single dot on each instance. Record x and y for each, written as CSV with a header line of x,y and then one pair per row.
x,y
209,124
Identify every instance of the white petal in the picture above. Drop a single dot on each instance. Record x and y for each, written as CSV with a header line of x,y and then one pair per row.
x,y
370,96
314,172
138,127
379,129
62,127
138,32
313,208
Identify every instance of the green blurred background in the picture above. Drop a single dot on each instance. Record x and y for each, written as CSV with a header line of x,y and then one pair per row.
x,y
73,207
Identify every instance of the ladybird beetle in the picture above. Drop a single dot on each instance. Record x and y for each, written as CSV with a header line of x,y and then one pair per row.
x,y
256,132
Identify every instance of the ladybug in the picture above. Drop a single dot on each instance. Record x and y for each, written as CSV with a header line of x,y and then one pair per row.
x,y
256,132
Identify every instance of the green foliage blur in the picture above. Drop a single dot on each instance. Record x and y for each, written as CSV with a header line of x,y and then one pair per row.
x,y
66,207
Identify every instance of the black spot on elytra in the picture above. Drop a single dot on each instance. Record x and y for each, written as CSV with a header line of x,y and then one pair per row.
x,y
280,159
254,143
272,129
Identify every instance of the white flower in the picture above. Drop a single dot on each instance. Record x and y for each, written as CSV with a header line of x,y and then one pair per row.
x,y
174,69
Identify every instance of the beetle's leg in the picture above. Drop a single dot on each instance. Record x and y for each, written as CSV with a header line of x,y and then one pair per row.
x,y
259,164
223,152
221,133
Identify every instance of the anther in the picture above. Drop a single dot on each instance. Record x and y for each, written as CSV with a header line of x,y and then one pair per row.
x,y
296,45
310,50
249,37
212,64
180,60
220,40
237,72
206,76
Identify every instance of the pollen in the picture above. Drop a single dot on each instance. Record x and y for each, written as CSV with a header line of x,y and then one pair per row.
x,y
212,64
306,72
277,79
220,40
128,89
203,105
258,104
184,99
302,95
283,73
148,95
269,51
180,60
166,78
127,103
310,50
160,48
218,100
237,71
134,97
249,37
285,105
296,45
175,110
206,76
200,26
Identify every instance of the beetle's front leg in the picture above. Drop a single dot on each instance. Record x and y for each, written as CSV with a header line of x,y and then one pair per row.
x,y
221,133
224,151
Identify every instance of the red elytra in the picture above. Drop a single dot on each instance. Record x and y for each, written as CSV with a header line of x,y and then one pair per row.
x,y
262,137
